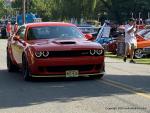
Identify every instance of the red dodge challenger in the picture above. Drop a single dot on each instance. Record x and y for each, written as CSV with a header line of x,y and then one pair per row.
x,y
54,49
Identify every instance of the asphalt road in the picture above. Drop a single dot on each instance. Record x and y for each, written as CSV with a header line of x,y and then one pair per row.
x,y
124,89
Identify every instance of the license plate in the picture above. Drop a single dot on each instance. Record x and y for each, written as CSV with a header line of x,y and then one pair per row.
x,y
72,73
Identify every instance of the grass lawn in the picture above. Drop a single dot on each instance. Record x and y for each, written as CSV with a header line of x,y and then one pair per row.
x,y
138,61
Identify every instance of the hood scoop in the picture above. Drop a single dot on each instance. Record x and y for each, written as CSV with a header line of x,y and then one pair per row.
x,y
64,42
68,42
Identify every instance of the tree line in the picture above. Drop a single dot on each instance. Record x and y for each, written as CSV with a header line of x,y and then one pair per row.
x,y
115,10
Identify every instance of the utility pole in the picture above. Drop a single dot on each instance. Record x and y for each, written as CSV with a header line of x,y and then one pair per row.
x,y
139,17
132,15
24,11
98,17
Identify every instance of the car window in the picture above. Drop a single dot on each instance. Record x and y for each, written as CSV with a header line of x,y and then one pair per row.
x,y
141,32
21,32
147,36
49,32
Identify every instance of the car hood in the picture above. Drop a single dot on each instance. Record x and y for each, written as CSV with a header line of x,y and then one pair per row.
x,y
63,44
143,44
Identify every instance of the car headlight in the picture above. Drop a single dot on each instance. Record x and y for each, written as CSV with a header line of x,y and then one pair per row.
x,y
92,52
45,53
38,54
99,52
96,52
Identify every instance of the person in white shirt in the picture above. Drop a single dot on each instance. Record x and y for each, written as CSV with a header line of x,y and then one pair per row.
x,y
130,39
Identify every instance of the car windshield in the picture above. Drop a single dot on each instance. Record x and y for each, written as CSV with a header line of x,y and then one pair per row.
x,y
50,32
147,36
143,32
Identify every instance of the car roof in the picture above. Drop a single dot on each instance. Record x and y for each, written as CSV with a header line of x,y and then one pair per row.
x,y
38,24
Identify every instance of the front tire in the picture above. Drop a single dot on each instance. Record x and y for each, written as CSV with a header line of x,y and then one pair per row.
x,y
138,53
10,66
25,69
97,76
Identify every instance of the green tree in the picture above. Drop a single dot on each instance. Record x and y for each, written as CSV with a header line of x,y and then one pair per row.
x,y
2,8
6,10
120,10
116,10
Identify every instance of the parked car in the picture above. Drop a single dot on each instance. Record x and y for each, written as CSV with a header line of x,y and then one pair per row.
x,y
54,49
3,29
105,40
88,29
140,34
143,44
3,32
107,37
112,46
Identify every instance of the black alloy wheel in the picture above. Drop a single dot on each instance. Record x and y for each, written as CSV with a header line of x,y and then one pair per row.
x,y
138,53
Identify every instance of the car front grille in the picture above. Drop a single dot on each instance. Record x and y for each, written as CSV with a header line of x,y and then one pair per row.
x,y
146,49
69,53
65,68
77,53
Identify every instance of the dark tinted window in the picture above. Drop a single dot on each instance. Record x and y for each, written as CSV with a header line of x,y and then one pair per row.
x,y
49,32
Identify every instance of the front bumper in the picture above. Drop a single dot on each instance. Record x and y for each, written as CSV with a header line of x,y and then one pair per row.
x,y
57,67
51,76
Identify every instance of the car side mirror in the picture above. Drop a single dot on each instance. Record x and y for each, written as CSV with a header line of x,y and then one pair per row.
x,y
89,36
16,38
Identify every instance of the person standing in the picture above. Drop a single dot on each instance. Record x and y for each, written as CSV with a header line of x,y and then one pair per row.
x,y
8,29
15,27
130,39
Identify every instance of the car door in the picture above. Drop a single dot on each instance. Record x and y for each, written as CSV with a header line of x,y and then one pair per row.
x,y
18,45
